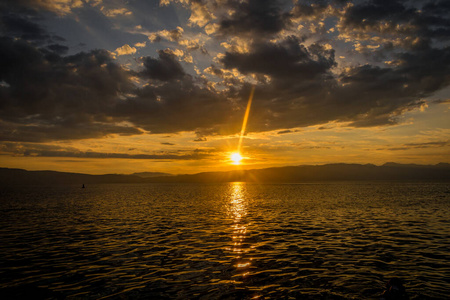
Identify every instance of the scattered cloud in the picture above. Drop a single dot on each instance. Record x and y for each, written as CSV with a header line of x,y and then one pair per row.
x,y
42,150
200,15
429,144
425,145
125,50
200,139
115,12
284,131
140,45
170,35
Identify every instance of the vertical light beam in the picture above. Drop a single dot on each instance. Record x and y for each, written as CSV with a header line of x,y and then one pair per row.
x,y
244,124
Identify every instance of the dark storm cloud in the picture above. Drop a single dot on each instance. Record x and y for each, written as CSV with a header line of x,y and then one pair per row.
x,y
20,19
49,97
426,19
58,49
387,92
19,26
177,105
176,102
302,90
26,4
377,95
299,79
365,95
426,70
257,17
165,68
435,17
287,58
369,13
21,6
52,97
374,96
45,96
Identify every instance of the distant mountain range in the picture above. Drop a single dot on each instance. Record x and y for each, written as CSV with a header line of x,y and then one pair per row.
x,y
151,174
329,172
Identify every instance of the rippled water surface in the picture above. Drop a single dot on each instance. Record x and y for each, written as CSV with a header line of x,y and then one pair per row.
x,y
224,241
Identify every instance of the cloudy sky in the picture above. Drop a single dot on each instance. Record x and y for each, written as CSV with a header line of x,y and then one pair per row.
x,y
116,86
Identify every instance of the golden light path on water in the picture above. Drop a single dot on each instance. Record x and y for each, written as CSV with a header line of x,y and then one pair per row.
x,y
238,210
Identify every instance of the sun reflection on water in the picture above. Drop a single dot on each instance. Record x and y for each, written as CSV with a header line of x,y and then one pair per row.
x,y
238,212
238,208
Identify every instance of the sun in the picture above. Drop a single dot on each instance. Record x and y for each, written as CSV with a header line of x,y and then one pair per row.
x,y
236,158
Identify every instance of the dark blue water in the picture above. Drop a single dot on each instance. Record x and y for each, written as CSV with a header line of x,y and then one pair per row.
x,y
224,241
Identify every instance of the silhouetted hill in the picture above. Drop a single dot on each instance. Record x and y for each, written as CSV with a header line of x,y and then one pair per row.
x,y
330,172
439,165
23,177
151,174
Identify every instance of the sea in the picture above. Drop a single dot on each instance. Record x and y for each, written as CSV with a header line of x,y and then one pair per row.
x,y
334,240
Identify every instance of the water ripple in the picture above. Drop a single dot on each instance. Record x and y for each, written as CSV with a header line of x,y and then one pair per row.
x,y
224,241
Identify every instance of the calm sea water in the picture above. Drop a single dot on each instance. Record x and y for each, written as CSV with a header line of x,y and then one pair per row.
x,y
224,241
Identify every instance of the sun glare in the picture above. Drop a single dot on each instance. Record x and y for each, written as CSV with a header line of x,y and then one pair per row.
x,y
236,158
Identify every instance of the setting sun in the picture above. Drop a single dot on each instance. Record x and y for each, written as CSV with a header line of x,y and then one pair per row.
x,y
236,158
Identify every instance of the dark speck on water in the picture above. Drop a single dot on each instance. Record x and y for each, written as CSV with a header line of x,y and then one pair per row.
x,y
224,241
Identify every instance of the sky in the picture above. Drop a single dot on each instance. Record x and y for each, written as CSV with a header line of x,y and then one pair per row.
x,y
115,86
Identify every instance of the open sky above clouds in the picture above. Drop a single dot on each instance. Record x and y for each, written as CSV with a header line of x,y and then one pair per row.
x,y
101,86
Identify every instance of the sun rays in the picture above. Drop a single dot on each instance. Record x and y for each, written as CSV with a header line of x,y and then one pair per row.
x,y
236,157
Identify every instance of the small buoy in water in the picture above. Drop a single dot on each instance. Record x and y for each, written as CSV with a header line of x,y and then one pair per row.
x,y
82,186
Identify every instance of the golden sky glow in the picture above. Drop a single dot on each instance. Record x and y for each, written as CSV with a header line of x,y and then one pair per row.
x,y
411,142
